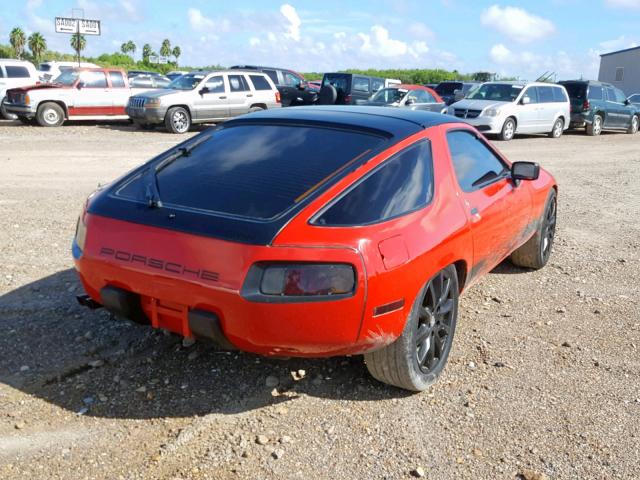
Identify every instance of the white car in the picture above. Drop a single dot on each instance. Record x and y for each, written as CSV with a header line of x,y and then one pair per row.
x,y
49,71
510,108
14,73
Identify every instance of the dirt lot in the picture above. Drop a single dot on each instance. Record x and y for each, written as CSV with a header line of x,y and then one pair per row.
x,y
543,380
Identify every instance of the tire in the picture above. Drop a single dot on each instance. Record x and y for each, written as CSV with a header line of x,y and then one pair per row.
x,y
508,130
558,129
4,114
177,120
635,124
595,127
328,95
416,359
536,252
50,115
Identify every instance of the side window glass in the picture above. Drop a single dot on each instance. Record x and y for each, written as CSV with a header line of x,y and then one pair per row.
x,y
559,95
17,72
402,184
273,75
259,82
92,79
611,95
545,94
290,79
1,72
474,163
117,80
360,84
620,97
215,84
595,92
532,93
376,84
141,82
238,83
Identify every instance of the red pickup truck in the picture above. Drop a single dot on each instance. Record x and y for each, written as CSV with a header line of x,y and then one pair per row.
x,y
77,94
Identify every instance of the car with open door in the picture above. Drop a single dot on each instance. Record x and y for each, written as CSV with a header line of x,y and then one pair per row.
x,y
294,89
315,232
414,97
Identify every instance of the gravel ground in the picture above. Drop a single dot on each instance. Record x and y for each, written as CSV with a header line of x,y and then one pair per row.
x,y
543,380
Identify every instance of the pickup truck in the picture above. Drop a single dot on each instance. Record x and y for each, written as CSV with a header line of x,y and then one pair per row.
x,y
77,94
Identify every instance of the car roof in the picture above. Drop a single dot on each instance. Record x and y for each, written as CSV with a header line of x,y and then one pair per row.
x,y
395,122
15,61
408,86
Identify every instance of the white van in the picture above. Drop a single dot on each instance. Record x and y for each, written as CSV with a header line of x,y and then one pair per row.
x,y
509,108
49,71
13,74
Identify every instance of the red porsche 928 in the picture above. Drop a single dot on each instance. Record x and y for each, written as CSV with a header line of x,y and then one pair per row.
x,y
316,231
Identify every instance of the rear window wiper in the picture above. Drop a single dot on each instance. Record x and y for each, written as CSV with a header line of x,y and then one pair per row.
x,y
152,193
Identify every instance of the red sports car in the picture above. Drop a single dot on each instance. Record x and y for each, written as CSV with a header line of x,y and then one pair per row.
x,y
316,231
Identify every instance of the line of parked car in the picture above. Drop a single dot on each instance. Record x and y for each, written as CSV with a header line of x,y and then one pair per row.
x,y
62,91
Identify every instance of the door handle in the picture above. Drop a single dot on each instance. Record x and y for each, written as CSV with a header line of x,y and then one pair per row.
x,y
249,94
475,215
222,97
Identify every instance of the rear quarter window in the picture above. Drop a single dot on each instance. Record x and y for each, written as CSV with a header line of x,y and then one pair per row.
x,y
401,185
259,82
360,84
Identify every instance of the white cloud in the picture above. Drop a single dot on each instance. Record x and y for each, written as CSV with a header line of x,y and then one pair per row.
x,y
294,22
378,42
501,54
517,24
623,3
198,21
420,31
254,42
619,43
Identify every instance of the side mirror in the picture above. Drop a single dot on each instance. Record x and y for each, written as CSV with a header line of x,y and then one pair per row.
x,y
525,171
204,90
79,85
627,102
410,101
526,100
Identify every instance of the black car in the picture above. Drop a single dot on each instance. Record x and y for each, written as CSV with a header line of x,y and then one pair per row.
x,y
292,86
598,106
453,91
348,88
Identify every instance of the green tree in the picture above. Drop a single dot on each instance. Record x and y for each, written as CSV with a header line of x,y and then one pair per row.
x,y
176,53
146,52
78,43
37,45
17,39
132,47
165,49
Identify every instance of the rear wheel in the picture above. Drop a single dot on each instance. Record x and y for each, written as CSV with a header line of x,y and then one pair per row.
x,y
177,120
558,128
416,359
633,128
536,252
595,128
508,129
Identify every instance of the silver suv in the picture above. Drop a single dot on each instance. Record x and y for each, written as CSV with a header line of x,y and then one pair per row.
x,y
509,108
201,97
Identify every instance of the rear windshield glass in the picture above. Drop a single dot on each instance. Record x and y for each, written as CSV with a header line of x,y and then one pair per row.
x,y
448,88
576,91
339,82
257,171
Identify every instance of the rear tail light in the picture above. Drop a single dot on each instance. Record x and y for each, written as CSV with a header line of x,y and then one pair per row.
x,y
278,100
307,279
586,105
347,99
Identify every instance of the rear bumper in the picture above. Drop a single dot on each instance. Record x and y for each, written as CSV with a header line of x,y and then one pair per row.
x,y
580,120
168,297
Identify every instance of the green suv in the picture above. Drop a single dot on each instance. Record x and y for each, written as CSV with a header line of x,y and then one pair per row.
x,y
600,106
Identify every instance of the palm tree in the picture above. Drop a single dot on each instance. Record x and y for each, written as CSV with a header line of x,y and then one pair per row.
x,y
17,40
131,47
78,43
176,53
165,49
146,52
37,45
124,48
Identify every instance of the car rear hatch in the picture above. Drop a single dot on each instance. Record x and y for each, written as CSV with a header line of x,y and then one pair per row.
x,y
577,95
342,83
